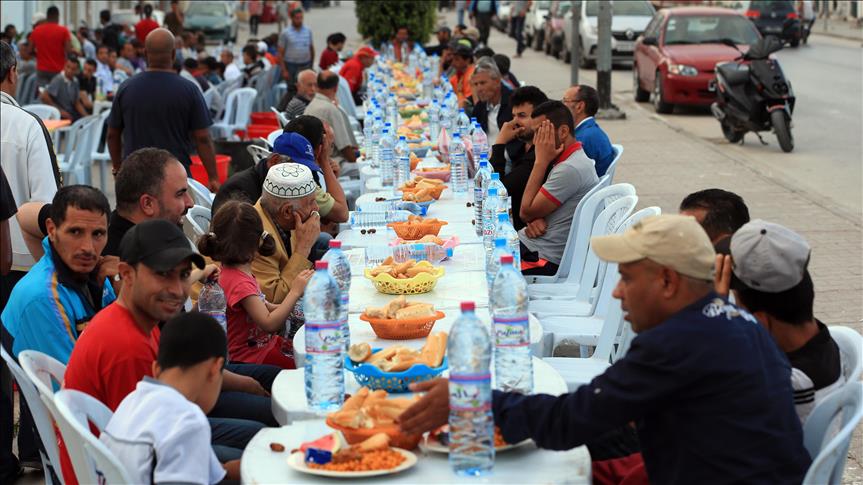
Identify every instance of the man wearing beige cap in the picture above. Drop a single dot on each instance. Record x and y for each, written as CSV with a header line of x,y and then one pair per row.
x,y
708,390
288,210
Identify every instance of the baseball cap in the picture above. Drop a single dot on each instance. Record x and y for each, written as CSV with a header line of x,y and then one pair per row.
x,y
768,257
463,50
158,244
675,241
262,46
366,51
443,28
297,147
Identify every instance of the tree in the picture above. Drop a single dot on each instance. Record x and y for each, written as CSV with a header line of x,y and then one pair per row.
x,y
378,20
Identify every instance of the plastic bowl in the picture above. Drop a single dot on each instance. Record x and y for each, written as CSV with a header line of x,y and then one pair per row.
x,y
403,329
370,376
412,232
421,283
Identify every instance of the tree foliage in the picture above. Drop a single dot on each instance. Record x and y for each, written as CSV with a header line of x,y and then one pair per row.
x,y
378,19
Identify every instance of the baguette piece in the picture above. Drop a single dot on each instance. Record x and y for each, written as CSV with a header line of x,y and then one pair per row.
x,y
415,310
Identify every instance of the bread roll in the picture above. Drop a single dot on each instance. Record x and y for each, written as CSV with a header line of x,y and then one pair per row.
x,y
415,310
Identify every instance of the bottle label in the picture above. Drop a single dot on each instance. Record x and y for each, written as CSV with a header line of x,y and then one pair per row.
x,y
511,330
470,392
324,336
219,317
477,196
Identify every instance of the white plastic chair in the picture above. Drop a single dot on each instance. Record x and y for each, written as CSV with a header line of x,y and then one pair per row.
x,y
618,152
830,452
850,346
199,218
583,300
76,159
280,117
271,138
238,110
201,195
43,111
257,153
101,156
92,460
345,98
28,384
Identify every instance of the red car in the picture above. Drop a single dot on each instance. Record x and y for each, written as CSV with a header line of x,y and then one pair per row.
x,y
675,58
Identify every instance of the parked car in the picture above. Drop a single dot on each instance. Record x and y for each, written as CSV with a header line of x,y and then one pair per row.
x,y
127,16
675,59
216,19
553,27
533,22
628,21
504,11
778,18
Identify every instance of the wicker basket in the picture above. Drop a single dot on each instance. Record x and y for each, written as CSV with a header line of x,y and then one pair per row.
x,y
403,329
421,283
398,439
412,232
368,375
434,191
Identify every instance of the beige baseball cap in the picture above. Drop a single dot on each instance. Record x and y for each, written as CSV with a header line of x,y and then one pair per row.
x,y
675,241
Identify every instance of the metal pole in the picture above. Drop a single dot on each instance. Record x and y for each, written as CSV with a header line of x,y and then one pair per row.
x,y
603,58
575,44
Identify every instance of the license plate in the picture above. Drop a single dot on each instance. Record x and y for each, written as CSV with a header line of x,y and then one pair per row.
x,y
711,85
625,46
773,29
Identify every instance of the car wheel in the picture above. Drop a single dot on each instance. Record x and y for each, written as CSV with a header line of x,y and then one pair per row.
x,y
538,41
795,42
641,95
658,96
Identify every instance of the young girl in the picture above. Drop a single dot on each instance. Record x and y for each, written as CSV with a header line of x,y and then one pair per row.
x,y
237,236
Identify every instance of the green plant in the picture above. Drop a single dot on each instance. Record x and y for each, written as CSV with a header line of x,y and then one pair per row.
x,y
377,20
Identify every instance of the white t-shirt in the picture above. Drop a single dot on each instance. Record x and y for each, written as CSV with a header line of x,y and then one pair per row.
x,y
232,72
160,436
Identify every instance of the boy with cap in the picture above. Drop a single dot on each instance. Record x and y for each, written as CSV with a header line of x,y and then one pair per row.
x,y
709,391
771,280
159,432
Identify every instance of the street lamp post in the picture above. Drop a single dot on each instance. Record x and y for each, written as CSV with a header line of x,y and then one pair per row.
x,y
575,44
607,110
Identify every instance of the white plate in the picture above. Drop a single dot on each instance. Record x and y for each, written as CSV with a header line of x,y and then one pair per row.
x,y
298,463
432,444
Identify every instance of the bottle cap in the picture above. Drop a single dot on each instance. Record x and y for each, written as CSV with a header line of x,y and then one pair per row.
x,y
449,252
492,191
506,259
335,243
418,247
319,265
484,156
401,137
377,117
503,217
482,163
456,135
467,306
461,110
499,242
495,176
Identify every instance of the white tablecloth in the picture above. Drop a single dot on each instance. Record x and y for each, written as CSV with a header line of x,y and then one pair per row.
x,y
526,464
289,397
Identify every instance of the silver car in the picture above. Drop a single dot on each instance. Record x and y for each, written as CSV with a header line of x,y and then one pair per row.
x,y
628,21
217,20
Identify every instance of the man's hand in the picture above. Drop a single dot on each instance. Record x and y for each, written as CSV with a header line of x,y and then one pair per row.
x,y
108,267
535,228
251,386
722,275
232,470
431,411
337,169
214,185
65,114
507,133
307,232
209,271
546,147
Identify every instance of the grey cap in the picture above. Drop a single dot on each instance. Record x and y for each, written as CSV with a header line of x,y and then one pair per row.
x,y
768,257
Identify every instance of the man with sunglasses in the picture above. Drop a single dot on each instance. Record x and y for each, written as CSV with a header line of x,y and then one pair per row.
x,y
583,102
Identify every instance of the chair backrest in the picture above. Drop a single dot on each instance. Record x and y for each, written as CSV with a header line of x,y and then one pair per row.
x,y
29,385
43,111
346,99
92,460
618,152
96,133
27,93
280,117
844,407
78,161
613,318
271,138
22,82
607,222
257,153
238,108
850,346
200,195
199,219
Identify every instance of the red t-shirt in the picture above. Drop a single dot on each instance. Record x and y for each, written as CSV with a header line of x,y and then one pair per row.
x,y
50,42
328,58
110,357
352,71
246,341
144,27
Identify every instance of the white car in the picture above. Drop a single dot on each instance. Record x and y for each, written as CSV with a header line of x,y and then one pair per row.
x,y
504,10
628,21
534,22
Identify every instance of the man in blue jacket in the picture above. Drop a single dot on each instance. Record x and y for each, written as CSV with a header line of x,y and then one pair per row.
x,y
707,388
583,101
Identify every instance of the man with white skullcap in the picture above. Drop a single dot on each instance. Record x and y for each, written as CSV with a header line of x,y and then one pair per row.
x,y
771,280
289,212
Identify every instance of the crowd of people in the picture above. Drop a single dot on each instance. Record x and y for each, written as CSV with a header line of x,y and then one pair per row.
x,y
708,386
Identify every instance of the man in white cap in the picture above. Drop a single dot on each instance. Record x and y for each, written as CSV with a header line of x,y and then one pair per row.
x,y
289,212
770,279
708,390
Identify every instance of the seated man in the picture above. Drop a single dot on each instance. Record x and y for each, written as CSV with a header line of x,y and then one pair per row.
x,y
493,108
63,91
462,65
353,69
554,198
288,210
519,128
305,92
771,281
720,212
324,107
708,390
583,102
53,303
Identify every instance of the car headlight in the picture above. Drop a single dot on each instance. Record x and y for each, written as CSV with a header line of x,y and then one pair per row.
x,y
682,70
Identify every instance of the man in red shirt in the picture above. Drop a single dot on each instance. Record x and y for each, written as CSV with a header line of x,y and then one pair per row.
x,y
146,25
52,42
353,69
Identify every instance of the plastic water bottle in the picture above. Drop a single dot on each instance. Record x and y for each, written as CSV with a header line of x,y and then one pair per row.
x,y
368,134
402,153
377,132
463,124
489,218
513,367
506,231
387,159
434,121
325,347
430,252
480,181
212,302
497,184
360,220
471,448
340,270
493,262
393,111
427,84
458,165
480,142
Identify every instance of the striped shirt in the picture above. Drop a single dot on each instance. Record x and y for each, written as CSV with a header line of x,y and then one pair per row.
x,y
816,371
297,44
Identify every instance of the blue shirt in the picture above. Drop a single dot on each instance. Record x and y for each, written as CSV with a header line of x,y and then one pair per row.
x,y
708,389
297,44
47,309
595,143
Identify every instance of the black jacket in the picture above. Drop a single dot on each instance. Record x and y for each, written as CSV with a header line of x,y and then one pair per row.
x,y
516,180
504,114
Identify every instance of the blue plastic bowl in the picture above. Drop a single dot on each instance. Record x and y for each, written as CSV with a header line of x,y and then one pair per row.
x,y
370,376
425,205
421,152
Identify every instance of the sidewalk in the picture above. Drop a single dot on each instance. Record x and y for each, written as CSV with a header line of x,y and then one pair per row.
x,y
843,29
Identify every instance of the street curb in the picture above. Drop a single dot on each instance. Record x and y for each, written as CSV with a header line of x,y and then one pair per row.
x,y
839,36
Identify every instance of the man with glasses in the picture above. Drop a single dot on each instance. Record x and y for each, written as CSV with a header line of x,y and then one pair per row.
x,y
583,102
